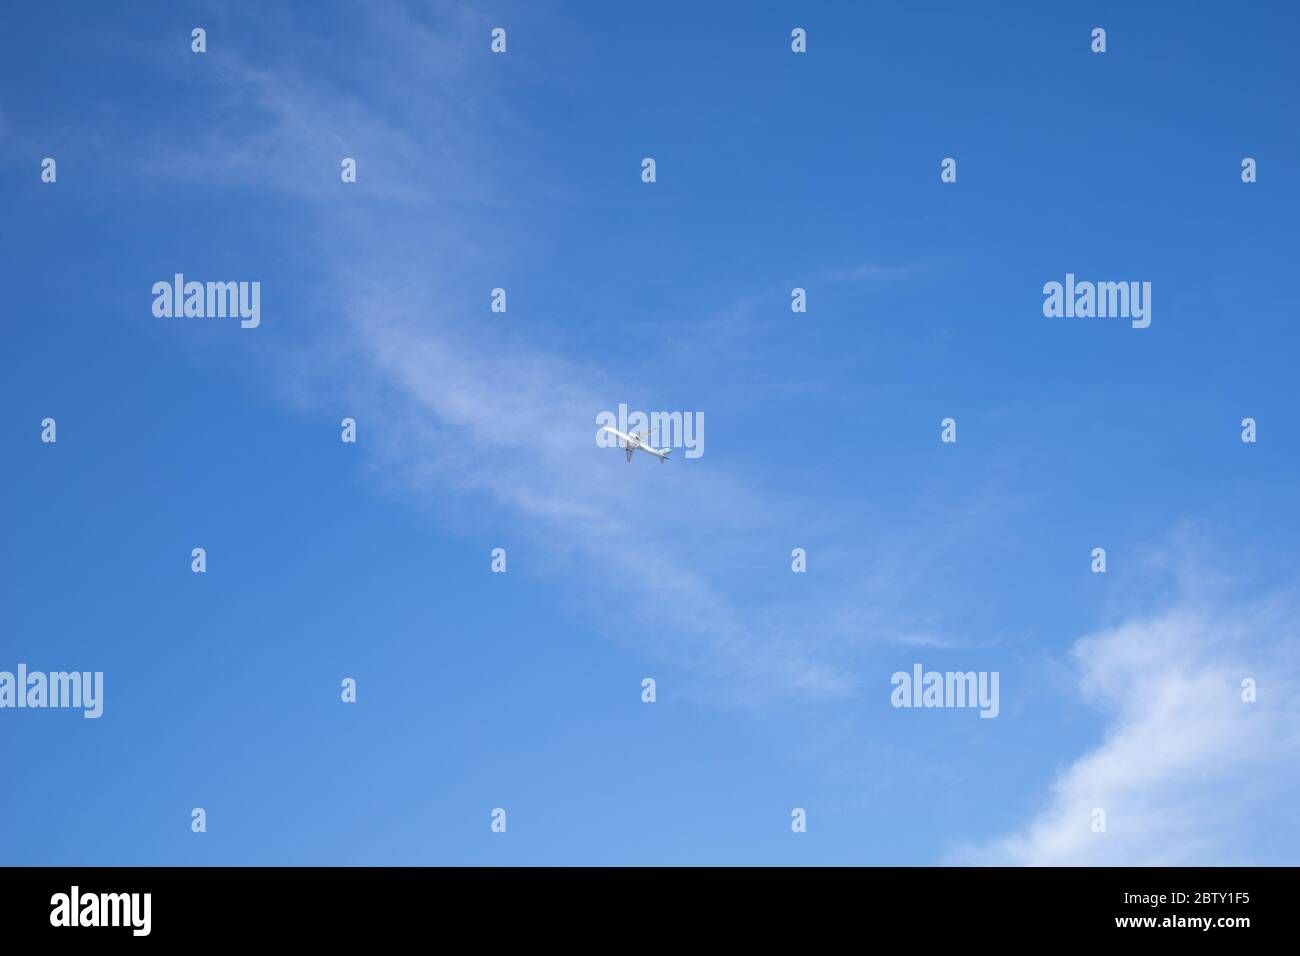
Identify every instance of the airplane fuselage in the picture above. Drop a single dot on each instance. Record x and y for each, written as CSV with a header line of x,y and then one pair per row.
x,y
633,443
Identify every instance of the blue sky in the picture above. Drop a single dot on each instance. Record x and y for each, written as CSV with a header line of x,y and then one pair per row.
x,y
522,690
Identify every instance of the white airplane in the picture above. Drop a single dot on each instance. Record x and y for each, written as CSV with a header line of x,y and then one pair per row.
x,y
632,442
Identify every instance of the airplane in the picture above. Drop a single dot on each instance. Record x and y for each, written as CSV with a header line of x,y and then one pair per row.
x,y
638,440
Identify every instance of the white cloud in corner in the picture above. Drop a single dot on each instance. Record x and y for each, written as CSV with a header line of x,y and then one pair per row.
x,y
1188,773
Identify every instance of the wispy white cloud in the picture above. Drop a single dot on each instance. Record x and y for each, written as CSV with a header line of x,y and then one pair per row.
x,y
480,415
483,414
520,427
1185,764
